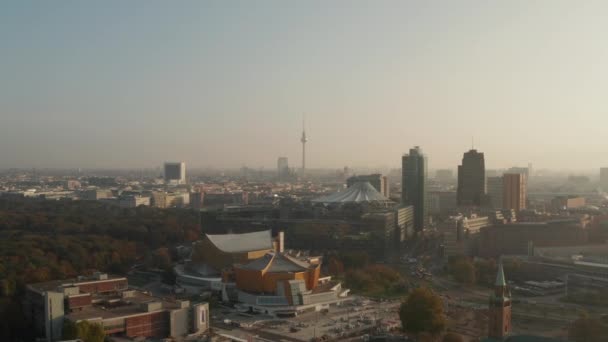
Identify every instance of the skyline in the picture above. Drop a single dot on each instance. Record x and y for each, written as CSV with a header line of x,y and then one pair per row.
x,y
218,84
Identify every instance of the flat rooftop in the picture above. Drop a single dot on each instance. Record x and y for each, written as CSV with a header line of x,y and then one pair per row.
x,y
54,284
107,307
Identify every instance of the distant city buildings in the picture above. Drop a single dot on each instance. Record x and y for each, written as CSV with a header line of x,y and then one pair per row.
x,y
567,202
604,178
444,175
521,170
515,191
175,173
379,182
413,183
133,201
95,194
442,202
162,199
471,179
282,168
73,184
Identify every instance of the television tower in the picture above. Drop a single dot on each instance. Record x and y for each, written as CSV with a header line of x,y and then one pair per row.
x,y
303,140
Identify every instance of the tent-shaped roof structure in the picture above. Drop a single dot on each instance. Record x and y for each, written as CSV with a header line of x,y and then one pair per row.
x,y
357,193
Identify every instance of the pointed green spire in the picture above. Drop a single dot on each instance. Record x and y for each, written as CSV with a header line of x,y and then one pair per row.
x,y
500,276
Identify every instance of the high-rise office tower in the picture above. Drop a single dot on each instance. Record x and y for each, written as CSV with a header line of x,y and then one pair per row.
x,y
282,168
471,179
604,178
514,191
495,189
413,185
175,172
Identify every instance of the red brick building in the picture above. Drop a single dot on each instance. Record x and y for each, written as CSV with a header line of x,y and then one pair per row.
x,y
106,300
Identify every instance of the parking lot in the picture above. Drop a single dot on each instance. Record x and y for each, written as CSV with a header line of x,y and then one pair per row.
x,y
354,318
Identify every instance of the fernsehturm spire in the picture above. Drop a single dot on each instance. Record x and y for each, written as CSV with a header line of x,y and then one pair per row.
x,y
304,140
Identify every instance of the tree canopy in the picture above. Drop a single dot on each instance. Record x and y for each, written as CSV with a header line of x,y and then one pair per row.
x,y
586,329
422,311
46,240
84,330
462,270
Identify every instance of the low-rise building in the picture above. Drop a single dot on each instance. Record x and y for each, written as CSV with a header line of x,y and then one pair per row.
x,y
161,199
518,238
95,194
133,201
107,300
461,234
568,202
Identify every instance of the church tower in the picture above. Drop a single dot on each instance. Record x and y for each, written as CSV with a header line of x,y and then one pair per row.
x,y
499,325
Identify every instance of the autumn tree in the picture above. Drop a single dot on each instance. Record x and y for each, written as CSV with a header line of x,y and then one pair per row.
x,y
586,329
84,330
463,271
422,311
335,266
161,258
486,271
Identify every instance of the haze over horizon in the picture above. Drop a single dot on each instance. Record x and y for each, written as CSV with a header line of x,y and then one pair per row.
x,y
226,83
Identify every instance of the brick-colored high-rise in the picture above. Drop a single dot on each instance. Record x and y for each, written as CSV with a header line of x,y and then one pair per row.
x,y
514,192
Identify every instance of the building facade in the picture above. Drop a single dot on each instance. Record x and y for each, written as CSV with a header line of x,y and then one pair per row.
x,y
175,172
517,238
495,192
442,202
413,185
461,234
568,202
107,301
471,179
604,178
133,201
514,191
282,168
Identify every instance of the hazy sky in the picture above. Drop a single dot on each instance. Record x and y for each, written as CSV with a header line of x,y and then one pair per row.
x,y
225,83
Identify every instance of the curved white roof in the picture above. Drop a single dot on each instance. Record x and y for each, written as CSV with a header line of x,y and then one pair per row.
x,y
358,192
247,242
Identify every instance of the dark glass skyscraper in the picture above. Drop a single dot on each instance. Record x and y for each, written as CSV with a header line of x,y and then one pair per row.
x,y
413,185
471,179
